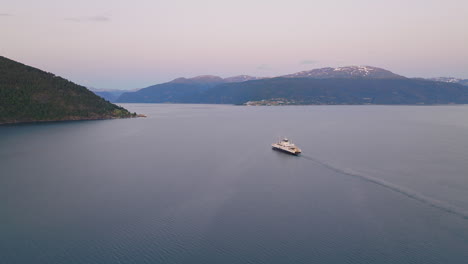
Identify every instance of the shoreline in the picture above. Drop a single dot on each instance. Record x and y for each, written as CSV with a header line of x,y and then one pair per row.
x,y
67,120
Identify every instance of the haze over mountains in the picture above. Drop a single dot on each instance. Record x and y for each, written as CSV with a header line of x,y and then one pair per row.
x,y
110,95
342,85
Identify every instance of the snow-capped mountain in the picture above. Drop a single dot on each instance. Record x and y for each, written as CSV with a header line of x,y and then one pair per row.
x,y
446,79
342,85
200,79
216,79
346,72
450,80
242,78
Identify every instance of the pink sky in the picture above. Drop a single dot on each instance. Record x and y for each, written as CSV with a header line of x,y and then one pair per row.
x,y
126,45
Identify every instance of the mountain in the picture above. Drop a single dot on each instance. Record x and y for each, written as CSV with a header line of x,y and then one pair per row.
x,y
339,91
109,95
28,94
216,79
450,80
206,79
242,78
464,82
343,85
349,72
180,90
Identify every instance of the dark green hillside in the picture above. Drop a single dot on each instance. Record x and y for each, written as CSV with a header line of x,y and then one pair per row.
x,y
28,94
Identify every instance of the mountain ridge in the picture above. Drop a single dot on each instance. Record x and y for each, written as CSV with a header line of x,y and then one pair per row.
x,y
305,91
215,79
340,85
450,80
369,72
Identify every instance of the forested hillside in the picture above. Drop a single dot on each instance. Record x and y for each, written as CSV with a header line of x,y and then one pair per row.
x,y
28,94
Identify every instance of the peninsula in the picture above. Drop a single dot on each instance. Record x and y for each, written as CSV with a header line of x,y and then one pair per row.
x,y
28,94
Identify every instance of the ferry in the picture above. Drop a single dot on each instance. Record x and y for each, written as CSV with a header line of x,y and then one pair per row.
x,y
286,146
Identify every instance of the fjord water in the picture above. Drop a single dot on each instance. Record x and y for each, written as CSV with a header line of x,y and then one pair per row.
x,y
200,184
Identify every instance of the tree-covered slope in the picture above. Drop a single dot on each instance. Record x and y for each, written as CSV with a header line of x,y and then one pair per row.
x,y
28,94
340,91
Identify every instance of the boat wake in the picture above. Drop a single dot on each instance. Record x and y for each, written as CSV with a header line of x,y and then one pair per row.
x,y
399,189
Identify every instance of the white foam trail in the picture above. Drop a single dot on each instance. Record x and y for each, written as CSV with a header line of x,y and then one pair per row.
x,y
399,189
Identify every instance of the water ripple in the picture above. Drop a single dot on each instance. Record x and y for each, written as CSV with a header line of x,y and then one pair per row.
x,y
396,188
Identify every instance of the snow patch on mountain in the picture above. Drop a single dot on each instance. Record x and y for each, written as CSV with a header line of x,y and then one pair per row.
x,y
346,72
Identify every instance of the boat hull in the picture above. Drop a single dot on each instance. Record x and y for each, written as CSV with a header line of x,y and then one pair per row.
x,y
286,151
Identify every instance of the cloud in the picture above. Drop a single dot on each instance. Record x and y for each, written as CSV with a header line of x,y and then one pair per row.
x,y
308,62
5,14
88,19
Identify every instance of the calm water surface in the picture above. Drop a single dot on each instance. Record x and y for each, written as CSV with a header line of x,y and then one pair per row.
x,y
200,184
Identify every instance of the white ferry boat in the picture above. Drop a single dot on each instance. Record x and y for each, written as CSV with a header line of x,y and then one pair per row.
x,y
286,146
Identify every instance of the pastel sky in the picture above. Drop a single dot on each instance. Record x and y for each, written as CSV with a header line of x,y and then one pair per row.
x,y
133,44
